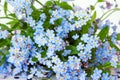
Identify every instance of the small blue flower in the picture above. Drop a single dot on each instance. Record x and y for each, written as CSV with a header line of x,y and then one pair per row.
x,y
76,36
42,17
33,70
17,71
114,61
96,75
114,37
55,59
85,38
114,27
80,46
39,74
4,34
30,20
105,76
66,52
83,76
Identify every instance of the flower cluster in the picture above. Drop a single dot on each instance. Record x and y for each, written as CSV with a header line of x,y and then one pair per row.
x,y
57,40
106,54
69,70
86,49
20,7
68,20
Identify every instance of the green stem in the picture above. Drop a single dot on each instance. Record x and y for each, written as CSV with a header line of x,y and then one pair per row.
x,y
113,10
108,15
40,3
96,3
6,17
92,11
3,7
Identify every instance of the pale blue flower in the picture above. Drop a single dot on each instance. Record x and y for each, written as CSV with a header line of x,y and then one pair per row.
x,y
55,59
17,71
76,36
42,17
96,75
66,52
105,76
30,21
39,74
4,34
30,76
85,37
114,61
33,70
80,46
49,63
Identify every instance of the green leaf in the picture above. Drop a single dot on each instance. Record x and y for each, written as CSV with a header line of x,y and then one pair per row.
x,y
112,44
34,59
118,36
4,42
12,15
5,8
85,28
2,58
43,54
47,25
35,14
104,33
4,27
92,7
105,67
101,0
49,3
65,6
118,66
73,49
58,21
94,16
13,24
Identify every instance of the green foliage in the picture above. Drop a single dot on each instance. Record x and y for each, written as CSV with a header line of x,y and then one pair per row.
x,y
118,66
73,49
13,24
4,27
113,45
65,6
94,16
101,0
5,8
3,53
2,43
90,71
5,42
105,67
34,59
36,13
2,60
92,7
43,54
85,28
118,36
12,15
26,29
104,33
49,3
